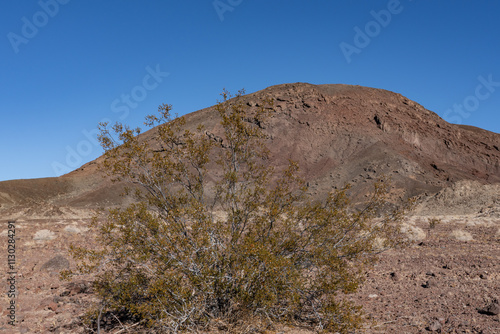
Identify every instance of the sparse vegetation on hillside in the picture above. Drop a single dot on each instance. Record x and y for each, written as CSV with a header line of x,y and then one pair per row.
x,y
204,245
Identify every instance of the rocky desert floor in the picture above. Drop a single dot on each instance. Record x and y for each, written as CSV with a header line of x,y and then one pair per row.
x,y
447,281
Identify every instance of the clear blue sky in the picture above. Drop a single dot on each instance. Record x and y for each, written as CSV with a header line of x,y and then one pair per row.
x,y
67,65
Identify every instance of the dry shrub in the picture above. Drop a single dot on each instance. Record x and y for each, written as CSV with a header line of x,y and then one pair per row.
x,y
173,264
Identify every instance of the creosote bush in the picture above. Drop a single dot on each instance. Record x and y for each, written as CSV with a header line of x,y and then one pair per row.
x,y
217,235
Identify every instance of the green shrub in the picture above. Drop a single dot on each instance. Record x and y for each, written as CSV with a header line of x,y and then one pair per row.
x,y
241,248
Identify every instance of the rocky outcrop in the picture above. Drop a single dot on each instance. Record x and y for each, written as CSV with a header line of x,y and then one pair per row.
x,y
464,198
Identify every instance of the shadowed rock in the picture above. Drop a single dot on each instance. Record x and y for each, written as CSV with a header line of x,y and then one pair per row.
x,y
57,263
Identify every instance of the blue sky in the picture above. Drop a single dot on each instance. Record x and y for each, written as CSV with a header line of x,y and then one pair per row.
x,y
68,64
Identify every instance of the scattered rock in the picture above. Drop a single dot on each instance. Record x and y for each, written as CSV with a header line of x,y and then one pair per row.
x,y
431,283
414,233
44,235
461,235
435,326
492,309
395,276
52,306
75,288
72,229
57,263
45,303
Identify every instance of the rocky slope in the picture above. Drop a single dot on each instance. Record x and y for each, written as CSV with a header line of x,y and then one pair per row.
x,y
337,133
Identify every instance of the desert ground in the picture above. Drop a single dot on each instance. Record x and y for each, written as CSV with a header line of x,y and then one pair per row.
x,y
446,281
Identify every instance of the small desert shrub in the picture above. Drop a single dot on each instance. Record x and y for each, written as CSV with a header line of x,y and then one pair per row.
x,y
191,253
433,222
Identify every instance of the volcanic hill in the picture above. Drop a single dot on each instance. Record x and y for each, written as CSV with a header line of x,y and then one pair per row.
x,y
336,133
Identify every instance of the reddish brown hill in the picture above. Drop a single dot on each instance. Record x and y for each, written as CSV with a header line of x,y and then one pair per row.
x,y
337,134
